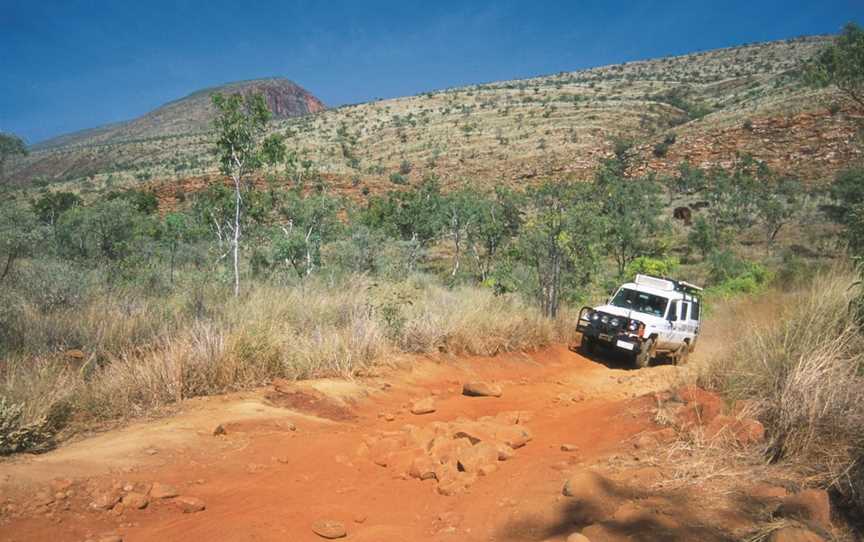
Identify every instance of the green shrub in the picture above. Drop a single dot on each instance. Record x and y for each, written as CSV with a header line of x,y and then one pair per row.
x,y
658,267
730,275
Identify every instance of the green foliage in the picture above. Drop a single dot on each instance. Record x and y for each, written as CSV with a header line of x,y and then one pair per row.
x,y
847,208
51,205
20,235
688,180
657,267
840,64
495,223
398,178
560,241
779,200
311,222
10,145
731,275
733,195
414,215
111,231
240,125
241,148
630,208
703,236
144,202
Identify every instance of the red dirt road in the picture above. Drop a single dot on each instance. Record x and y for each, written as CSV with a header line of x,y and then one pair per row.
x,y
263,481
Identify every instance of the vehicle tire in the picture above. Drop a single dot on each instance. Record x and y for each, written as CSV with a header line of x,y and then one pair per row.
x,y
682,354
587,345
643,358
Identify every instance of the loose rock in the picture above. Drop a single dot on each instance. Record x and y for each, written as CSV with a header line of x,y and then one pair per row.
x,y
135,500
481,389
162,491
423,406
219,430
329,529
189,505
105,501
569,448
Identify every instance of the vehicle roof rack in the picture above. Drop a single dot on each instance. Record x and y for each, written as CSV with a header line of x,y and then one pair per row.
x,y
664,283
686,286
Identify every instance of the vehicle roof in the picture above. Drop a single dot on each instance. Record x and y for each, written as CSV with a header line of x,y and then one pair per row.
x,y
668,294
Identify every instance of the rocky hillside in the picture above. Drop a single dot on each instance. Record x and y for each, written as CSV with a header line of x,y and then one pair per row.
x,y
193,114
704,107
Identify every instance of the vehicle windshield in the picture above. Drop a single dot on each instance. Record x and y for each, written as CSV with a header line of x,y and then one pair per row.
x,y
640,302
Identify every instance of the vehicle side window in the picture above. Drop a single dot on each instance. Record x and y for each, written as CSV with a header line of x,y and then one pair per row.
x,y
695,312
673,311
684,308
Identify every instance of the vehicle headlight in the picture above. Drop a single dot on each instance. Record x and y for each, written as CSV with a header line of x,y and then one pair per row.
x,y
604,319
633,325
615,322
594,316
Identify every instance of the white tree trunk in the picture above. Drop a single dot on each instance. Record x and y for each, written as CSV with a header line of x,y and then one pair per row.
x,y
236,240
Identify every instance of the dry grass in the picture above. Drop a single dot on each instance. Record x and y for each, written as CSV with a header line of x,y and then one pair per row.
x,y
143,353
804,372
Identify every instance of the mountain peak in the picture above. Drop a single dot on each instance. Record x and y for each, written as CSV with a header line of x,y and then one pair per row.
x,y
195,112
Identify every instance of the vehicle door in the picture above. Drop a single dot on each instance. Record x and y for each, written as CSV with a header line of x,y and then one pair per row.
x,y
669,335
686,325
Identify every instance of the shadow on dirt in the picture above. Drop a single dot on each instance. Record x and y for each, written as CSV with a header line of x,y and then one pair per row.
x,y
615,359
621,513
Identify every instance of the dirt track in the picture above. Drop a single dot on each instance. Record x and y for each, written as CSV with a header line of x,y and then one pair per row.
x,y
312,451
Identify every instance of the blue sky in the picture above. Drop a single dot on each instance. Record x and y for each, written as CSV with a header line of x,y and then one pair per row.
x,y
73,64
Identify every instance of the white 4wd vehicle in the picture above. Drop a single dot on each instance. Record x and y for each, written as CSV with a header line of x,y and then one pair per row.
x,y
645,317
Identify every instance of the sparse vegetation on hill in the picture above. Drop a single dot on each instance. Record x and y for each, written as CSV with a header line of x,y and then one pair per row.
x,y
520,132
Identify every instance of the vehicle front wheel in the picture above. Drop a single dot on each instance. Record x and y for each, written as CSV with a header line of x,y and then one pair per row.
x,y
587,345
643,358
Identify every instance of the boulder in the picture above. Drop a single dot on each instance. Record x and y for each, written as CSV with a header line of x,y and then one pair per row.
x,y
481,389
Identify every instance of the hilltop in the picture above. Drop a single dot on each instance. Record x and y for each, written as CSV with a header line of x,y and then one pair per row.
x,y
192,114
704,107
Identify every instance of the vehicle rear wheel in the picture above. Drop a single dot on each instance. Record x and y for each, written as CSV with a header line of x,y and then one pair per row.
x,y
587,345
682,354
643,358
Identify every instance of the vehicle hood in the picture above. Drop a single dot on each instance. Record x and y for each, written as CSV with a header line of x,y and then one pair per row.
x,y
627,313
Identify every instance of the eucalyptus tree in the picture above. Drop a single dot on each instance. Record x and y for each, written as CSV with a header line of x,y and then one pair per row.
x,y
242,147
